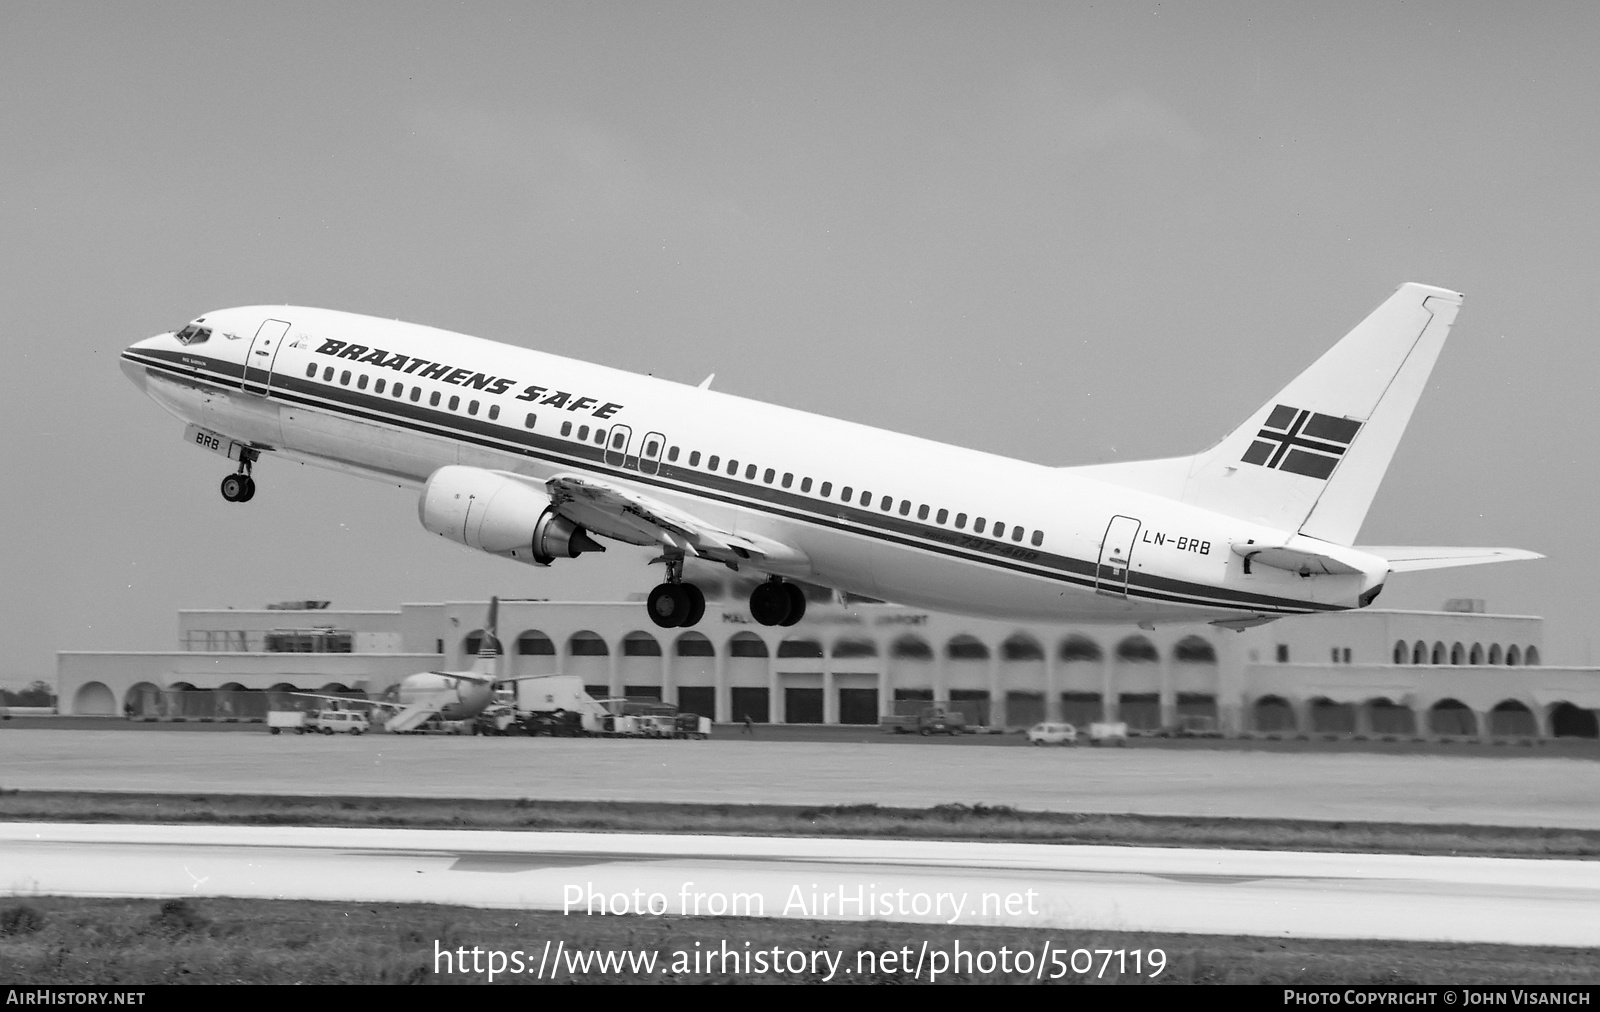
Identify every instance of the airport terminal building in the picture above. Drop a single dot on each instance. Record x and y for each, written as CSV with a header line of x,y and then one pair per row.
x,y
1454,673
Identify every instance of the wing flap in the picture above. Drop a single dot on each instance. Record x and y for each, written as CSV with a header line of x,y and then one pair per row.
x,y
626,515
1410,558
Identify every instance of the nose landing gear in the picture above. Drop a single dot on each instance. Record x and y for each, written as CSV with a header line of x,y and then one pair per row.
x,y
239,486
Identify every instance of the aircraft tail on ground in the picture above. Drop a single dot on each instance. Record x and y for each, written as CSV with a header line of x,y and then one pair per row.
x,y
1310,459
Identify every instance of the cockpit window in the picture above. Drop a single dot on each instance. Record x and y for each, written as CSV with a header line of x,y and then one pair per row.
x,y
193,335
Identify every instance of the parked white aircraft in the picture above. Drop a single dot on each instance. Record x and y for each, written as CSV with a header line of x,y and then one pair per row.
x,y
531,457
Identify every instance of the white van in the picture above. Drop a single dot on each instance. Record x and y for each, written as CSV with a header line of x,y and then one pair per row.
x,y
340,721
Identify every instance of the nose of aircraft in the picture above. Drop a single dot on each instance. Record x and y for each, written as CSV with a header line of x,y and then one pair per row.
x,y
132,367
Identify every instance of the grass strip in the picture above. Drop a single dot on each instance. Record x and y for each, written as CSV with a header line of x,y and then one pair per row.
x,y
49,940
944,822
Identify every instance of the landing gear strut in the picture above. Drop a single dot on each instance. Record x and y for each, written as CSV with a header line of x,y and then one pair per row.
x,y
239,486
777,603
675,604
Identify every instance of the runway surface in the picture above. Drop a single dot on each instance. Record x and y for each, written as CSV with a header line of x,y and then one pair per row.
x,y
1090,888
1529,791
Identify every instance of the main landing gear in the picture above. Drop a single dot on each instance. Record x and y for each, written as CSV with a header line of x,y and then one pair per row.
x,y
675,604
239,486
777,603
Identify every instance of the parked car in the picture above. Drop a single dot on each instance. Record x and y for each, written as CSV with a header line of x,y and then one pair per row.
x,y
340,722
1047,733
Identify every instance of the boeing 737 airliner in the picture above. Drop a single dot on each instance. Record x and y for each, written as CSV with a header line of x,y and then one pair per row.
x,y
533,457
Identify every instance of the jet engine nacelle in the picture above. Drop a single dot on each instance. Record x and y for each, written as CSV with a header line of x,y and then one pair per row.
x,y
499,515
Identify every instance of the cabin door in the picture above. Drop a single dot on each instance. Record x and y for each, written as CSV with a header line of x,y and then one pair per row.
x,y
1116,552
263,351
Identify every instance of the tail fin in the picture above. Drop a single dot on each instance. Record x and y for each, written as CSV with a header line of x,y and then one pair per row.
x,y
1311,458
489,651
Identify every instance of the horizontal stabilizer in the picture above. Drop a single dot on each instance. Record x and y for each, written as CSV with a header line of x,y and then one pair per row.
x,y
1295,560
1409,558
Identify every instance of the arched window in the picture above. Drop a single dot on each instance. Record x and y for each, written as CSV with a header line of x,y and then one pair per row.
x,y
911,648
1401,651
1475,656
1531,657
587,644
640,644
1021,648
1137,648
1195,650
1438,653
1079,648
1513,656
693,644
1458,654
800,648
855,648
1419,653
535,644
966,648
747,645
1495,657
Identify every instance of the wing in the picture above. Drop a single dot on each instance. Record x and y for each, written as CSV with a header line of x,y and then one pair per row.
x,y
346,699
625,515
1408,558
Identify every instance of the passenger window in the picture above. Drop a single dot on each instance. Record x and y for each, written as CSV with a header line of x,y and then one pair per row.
x,y
361,382
788,479
805,484
999,529
344,378
617,441
378,386
327,375
750,472
827,489
866,499
847,494
566,428
769,476
694,459
922,512
1016,533
583,432
942,516
416,394
651,448
472,407
494,412
905,507
733,468
527,423
454,402
672,454
433,399
977,525
961,521
599,437
311,371
398,390
714,463
1038,538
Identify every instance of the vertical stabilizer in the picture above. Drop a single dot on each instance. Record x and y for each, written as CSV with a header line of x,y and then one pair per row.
x,y
1311,458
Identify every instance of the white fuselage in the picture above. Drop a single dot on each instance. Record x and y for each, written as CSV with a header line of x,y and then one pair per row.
x,y
918,526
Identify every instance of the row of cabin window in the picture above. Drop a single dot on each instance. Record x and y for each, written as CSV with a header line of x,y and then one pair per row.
x,y
847,494
398,390
714,463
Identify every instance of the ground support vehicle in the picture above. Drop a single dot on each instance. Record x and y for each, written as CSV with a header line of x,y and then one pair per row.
x,y
339,722
1108,733
283,721
1052,733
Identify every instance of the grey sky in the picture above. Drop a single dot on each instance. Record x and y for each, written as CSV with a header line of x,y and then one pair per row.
x,y
1062,233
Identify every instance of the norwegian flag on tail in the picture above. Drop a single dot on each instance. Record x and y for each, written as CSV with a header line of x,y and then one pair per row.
x,y
1302,442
